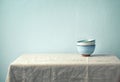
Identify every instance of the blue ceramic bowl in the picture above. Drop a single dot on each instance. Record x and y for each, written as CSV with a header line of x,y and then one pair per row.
x,y
86,50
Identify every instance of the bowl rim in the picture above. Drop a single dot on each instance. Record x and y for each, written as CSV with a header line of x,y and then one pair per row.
x,y
88,43
86,40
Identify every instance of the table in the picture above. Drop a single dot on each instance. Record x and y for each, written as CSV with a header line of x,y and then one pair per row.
x,y
64,68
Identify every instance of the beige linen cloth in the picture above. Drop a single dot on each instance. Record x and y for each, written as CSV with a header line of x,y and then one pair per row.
x,y
64,68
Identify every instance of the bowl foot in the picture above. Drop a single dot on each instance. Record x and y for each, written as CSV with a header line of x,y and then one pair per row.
x,y
86,55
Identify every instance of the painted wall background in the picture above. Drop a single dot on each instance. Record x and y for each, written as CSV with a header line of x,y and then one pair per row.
x,y
54,26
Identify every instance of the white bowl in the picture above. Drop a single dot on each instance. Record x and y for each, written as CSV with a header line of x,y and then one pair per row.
x,y
86,43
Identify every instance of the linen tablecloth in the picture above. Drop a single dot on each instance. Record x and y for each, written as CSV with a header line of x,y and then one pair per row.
x,y
64,68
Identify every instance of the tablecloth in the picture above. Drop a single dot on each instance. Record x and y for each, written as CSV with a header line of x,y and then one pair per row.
x,y
64,68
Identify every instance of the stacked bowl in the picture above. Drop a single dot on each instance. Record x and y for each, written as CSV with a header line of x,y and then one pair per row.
x,y
86,47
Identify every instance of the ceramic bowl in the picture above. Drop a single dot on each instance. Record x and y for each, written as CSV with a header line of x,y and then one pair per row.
x,y
86,50
86,47
86,42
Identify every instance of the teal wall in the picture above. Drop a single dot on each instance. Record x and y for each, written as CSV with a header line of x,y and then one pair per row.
x,y
48,26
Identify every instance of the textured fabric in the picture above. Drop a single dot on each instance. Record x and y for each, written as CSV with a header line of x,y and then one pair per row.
x,y
64,68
